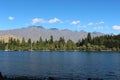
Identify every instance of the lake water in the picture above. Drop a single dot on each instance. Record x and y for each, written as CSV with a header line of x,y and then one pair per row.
x,y
62,64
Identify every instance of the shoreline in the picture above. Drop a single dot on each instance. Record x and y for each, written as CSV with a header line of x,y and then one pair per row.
x,y
46,78
64,50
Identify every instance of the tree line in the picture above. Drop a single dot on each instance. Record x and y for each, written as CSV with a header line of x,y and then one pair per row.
x,y
106,42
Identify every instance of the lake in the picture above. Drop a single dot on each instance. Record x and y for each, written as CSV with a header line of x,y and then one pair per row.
x,y
62,64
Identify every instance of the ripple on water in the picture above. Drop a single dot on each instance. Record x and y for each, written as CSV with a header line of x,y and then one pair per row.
x,y
111,76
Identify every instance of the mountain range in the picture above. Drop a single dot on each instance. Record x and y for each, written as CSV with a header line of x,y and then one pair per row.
x,y
35,32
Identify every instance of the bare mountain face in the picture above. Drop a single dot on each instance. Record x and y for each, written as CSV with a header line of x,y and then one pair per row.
x,y
7,37
35,32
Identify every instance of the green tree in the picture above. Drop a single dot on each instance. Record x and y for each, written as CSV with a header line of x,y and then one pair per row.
x,y
61,43
51,39
40,44
70,45
89,38
23,42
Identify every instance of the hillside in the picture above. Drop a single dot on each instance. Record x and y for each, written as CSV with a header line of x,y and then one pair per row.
x,y
35,32
7,37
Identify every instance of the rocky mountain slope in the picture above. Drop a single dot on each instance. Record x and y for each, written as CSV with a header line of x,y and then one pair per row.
x,y
35,32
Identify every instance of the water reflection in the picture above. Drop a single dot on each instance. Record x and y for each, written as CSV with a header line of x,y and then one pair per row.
x,y
61,64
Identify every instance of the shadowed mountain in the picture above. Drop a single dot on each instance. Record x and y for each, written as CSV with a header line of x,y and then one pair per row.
x,y
35,32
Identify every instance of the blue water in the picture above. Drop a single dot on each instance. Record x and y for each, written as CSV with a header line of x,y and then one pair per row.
x,y
63,64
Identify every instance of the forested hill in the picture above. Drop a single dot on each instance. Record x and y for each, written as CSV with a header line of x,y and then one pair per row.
x,y
106,42
101,43
35,32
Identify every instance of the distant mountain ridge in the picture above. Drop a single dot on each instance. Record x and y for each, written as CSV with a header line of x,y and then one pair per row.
x,y
35,32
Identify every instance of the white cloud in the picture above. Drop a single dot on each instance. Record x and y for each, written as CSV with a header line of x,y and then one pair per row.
x,y
75,22
54,20
97,23
98,28
90,23
11,18
101,27
38,20
116,27
101,22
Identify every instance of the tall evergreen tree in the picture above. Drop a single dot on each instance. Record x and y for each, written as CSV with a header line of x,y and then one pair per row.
x,y
51,39
61,43
89,38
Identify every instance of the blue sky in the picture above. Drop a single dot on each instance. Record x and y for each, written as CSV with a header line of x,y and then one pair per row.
x,y
89,15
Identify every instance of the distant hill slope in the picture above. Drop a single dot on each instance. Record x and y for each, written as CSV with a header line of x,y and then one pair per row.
x,y
35,32
8,36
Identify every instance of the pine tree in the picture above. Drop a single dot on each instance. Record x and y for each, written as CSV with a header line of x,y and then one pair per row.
x,y
89,38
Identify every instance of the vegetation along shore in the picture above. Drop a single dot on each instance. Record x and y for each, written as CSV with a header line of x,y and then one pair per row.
x,y
101,43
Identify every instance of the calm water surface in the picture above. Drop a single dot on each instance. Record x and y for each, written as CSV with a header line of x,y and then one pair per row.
x,y
81,65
